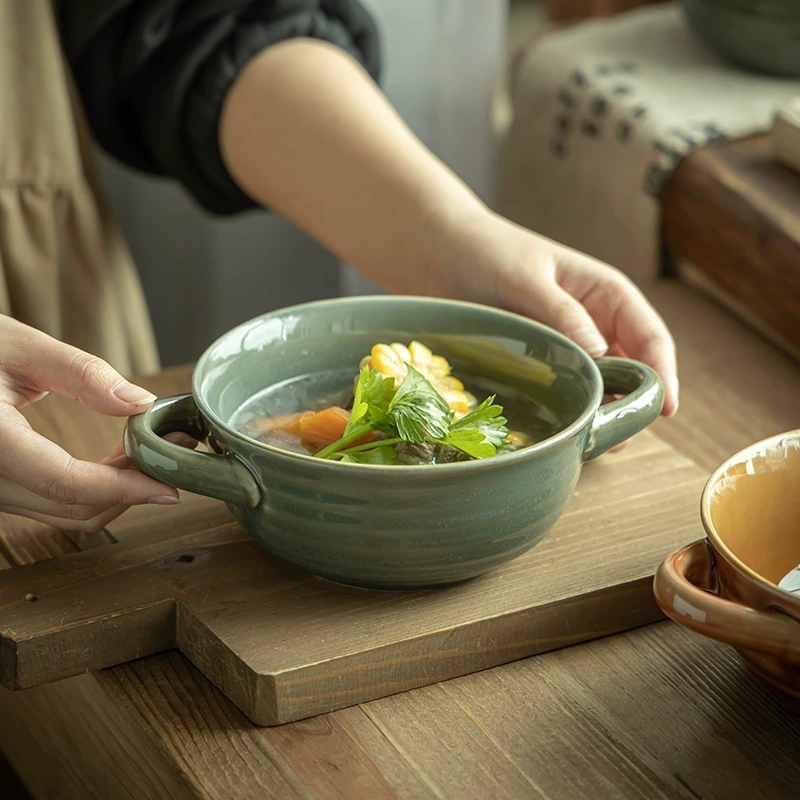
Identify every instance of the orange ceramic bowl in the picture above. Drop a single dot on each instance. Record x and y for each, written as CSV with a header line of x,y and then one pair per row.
x,y
726,586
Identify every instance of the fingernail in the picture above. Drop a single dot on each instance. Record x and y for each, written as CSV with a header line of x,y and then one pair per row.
x,y
593,344
133,394
675,387
116,461
164,500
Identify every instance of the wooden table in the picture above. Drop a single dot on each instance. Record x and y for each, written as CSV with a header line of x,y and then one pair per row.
x,y
653,713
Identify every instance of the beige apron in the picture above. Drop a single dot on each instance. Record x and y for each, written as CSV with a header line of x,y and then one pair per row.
x,y
64,265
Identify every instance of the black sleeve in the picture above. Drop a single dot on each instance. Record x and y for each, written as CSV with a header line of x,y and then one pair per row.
x,y
153,74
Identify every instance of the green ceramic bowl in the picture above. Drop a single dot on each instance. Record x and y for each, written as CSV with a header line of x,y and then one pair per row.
x,y
759,34
392,527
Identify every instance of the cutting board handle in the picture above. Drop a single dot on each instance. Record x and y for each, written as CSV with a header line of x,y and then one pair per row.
x,y
620,419
223,477
127,610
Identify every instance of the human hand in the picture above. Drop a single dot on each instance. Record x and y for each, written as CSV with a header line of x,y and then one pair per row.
x,y
40,480
496,262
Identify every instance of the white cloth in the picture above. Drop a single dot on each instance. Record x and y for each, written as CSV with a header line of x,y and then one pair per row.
x,y
602,113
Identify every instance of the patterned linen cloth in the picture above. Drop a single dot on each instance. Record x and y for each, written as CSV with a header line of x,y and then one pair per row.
x,y
603,111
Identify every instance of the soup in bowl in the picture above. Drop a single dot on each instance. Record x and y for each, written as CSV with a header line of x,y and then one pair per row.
x,y
519,410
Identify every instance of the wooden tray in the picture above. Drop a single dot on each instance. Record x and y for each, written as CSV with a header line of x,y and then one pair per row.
x,y
283,645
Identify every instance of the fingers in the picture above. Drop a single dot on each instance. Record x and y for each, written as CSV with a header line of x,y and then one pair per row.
x,y
37,478
16,499
555,307
119,450
65,502
593,304
81,515
659,353
624,316
611,317
44,469
89,525
637,331
35,363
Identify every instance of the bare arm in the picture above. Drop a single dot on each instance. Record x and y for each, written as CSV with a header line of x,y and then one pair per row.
x,y
306,132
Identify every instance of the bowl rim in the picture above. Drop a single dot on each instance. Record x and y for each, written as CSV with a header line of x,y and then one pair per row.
x,y
745,454
396,469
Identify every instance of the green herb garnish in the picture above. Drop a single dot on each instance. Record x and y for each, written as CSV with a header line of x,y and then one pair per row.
x,y
413,412
486,418
383,454
417,410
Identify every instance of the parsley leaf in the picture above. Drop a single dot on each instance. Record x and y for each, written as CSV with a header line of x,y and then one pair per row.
x,y
414,412
418,410
383,454
487,420
371,400
472,442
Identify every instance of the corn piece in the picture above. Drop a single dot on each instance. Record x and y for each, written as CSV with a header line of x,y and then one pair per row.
x,y
391,360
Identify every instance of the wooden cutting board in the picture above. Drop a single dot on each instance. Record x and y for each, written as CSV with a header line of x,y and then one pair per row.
x,y
284,645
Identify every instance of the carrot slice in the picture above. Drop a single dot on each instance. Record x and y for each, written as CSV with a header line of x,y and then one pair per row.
x,y
293,425
321,428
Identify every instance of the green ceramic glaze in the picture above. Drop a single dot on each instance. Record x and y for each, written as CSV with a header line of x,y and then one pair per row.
x,y
399,526
760,34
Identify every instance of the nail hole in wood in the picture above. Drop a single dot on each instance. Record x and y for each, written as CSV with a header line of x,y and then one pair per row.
x,y
30,597
187,558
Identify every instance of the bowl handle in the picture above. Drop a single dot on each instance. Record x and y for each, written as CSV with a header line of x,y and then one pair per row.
x,y
684,589
224,477
620,419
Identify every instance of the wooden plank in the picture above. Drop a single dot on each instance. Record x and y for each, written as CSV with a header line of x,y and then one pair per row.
x,y
284,645
225,756
645,718
734,213
638,716
110,759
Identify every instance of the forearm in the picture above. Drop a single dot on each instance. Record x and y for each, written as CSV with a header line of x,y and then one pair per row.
x,y
306,132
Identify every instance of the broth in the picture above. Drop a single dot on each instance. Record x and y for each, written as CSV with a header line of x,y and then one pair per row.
x,y
257,417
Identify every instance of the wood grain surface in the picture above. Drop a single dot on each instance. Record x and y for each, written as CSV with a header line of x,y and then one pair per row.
x,y
284,645
653,713
733,212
